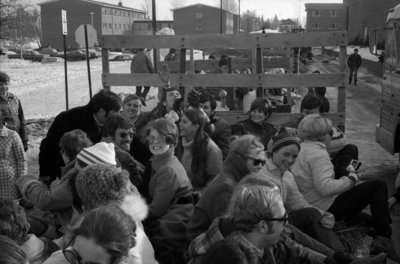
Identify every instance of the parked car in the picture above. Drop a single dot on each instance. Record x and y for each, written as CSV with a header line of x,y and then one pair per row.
x,y
124,57
92,53
48,51
32,55
73,55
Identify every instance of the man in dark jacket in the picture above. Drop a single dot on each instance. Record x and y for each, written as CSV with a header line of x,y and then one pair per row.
x,y
354,62
222,130
90,118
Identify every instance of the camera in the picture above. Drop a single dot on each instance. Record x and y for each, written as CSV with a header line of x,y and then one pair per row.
x,y
356,164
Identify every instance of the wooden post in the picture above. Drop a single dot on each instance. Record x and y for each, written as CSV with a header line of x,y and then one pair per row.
x,y
341,105
182,70
106,65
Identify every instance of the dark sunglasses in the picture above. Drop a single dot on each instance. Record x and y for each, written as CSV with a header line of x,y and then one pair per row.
x,y
284,219
331,133
257,162
125,134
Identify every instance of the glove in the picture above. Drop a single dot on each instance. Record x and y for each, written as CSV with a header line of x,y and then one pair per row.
x,y
327,220
350,169
193,99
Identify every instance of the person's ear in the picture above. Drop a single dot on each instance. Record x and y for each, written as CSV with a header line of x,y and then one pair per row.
x,y
197,126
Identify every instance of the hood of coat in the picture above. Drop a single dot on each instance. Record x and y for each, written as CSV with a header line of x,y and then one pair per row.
x,y
135,206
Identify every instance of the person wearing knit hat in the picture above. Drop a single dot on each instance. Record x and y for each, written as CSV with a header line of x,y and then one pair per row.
x,y
101,153
307,218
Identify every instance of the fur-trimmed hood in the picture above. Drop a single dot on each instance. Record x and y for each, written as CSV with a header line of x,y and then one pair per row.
x,y
135,206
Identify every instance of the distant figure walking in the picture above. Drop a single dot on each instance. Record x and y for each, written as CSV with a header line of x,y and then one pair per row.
x,y
354,62
171,56
141,63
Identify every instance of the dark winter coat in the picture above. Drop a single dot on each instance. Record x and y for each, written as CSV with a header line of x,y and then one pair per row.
x,y
50,159
354,61
215,198
263,132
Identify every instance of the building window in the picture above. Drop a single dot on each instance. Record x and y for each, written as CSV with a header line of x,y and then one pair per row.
x,y
104,25
120,26
103,11
199,28
316,26
115,26
199,15
109,25
316,13
333,13
332,26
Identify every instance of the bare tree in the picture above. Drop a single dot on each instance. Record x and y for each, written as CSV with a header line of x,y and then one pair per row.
x,y
230,5
177,4
146,6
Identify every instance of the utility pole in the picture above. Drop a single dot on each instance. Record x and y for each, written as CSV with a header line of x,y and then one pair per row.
x,y
248,21
153,10
221,16
91,18
20,31
239,18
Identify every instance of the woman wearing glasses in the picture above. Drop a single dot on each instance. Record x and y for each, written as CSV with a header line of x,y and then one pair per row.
x,y
169,191
105,236
198,153
246,156
344,197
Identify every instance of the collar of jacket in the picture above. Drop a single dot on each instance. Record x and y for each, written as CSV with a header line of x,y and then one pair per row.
x,y
159,160
270,166
236,166
317,143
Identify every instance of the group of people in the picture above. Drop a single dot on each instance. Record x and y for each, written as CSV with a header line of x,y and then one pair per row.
x,y
179,184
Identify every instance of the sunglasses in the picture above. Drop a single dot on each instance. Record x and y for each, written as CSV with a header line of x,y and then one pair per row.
x,y
257,162
331,132
126,134
284,219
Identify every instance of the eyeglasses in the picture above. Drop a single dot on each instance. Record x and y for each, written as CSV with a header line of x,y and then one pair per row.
x,y
73,257
126,134
284,219
257,162
331,132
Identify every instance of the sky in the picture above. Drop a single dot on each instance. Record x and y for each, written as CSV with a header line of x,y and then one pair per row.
x,y
268,8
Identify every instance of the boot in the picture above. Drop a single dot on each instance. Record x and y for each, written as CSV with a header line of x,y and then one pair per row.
x,y
342,257
384,244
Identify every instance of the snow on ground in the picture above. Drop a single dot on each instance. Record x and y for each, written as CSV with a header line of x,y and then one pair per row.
x,y
363,51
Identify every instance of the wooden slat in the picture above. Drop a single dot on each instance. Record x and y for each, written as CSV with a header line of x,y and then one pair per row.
x,y
341,103
277,119
106,66
239,64
227,80
309,39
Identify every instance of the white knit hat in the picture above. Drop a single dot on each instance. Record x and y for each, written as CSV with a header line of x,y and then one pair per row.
x,y
101,153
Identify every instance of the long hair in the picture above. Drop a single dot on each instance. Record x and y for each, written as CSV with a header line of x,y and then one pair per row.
x,y
200,141
111,228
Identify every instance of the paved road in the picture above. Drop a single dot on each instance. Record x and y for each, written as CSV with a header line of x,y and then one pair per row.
x,y
362,116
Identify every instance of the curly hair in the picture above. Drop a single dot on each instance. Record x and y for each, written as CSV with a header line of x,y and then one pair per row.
x,y
113,122
101,184
13,223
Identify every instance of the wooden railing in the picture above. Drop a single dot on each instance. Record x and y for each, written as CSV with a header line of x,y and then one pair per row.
x,y
183,72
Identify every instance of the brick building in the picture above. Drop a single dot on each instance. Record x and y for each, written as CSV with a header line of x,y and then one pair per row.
x,y
325,17
363,15
107,19
287,25
145,27
204,19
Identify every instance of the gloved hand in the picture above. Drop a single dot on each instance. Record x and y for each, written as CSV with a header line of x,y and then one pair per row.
x,y
327,220
350,169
